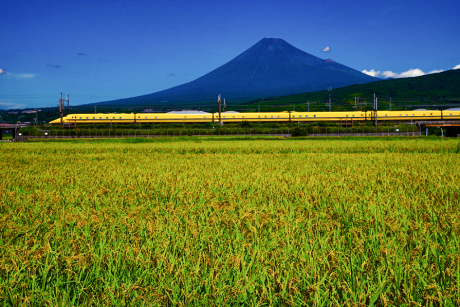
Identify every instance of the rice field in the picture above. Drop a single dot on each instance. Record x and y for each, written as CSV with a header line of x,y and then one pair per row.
x,y
230,222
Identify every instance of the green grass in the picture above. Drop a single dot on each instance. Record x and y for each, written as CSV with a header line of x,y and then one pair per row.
x,y
6,137
205,221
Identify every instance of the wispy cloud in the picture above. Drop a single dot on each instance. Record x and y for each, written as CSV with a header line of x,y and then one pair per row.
x,y
327,49
457,67
26,75
54,65
171,74
414,72
81,54
10,104
17,76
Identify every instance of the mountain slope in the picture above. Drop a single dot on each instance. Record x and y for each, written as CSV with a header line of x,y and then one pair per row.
x,y
436,88
272,67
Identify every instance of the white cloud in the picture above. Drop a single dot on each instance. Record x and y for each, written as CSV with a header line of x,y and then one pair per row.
x,y
2,71
411,73
326,49
26,75
435,71
372,73
457,67
414,72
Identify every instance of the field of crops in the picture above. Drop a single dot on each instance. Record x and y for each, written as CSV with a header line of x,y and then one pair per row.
x,y
230,222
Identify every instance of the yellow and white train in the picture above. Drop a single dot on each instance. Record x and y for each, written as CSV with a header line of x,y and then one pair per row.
x,y
229,117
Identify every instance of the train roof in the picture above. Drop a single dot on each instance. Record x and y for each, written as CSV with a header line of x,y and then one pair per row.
x,y
191,112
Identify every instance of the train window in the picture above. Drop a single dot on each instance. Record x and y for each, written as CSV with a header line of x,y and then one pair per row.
x,y
293,116
107,118
413,114
243,116
146,117
265,116
80,117
450,114
278,116
314,115
138,117
114,118
155,117
233,116
407,114
120,117
204,116
224,116
186,116
423,114
94,117
87,118
100,117
386,114
272,116
352,116
400,115
347,115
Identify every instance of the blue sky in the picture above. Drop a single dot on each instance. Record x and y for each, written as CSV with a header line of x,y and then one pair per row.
x,y
103,50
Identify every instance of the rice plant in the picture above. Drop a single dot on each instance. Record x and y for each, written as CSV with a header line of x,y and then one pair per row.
x,y
241,222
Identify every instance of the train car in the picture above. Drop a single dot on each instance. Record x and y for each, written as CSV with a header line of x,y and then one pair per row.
x,y
329,116
252,117
147,118
98,118
407,115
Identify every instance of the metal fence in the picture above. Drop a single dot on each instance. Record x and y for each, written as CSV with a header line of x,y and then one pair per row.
x,y
282,132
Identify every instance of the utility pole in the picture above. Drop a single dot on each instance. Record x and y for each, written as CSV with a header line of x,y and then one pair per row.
x,y
309,106
67,98
218,104
94,109
329,90
61,107
375,110
258,106
390,103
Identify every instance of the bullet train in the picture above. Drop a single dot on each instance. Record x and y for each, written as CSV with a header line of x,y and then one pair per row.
x,y
234,117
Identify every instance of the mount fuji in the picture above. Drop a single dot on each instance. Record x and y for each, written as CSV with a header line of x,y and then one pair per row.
x,y
272,67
